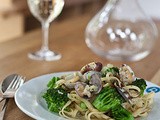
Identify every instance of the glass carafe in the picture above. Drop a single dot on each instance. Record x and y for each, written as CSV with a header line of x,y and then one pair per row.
x,y
121,31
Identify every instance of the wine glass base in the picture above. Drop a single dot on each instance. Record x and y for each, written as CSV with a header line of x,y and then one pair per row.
x,y
44,55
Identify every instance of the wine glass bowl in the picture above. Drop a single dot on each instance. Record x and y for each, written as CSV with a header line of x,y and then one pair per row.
x,y
45,11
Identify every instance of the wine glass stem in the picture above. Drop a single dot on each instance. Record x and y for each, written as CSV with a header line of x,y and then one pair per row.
x,y
45,34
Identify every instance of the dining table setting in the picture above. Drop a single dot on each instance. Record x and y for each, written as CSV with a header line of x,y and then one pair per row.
x,y
70,43
68,38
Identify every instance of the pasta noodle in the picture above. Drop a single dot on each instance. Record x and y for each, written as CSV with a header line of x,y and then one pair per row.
x,y
139,105
74,103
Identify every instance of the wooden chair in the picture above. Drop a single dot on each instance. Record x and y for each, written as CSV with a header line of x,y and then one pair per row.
x,y
15,17
11,19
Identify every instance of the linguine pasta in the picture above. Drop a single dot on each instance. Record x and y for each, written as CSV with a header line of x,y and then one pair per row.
x,y
80,107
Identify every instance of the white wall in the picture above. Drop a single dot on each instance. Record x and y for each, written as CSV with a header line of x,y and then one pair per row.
x,y
151,7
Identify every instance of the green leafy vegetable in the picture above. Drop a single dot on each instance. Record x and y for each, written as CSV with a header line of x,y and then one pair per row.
x,y
56,99
52,82
110,101
107,99
113,70
120,113
141,83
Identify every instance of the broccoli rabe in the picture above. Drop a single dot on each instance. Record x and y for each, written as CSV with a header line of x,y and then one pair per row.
x,y
141,83
56,99
110,101
52,82
120,113
113,70
107,99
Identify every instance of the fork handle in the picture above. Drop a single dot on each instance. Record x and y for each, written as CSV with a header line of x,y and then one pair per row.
x,y
3,112
3,109
1,99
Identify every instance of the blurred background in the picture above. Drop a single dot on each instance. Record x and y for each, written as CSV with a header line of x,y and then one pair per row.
x,y
15,18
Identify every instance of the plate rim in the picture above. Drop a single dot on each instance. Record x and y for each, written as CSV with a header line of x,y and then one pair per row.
x,y
29,113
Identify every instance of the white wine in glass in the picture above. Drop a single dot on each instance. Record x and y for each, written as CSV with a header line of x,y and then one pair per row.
x,y
45,11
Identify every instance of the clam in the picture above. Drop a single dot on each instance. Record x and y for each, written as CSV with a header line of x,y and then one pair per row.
x,y
79,87
126,74
96,81
94,66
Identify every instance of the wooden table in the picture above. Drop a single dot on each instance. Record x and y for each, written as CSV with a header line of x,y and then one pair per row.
x,y
67,38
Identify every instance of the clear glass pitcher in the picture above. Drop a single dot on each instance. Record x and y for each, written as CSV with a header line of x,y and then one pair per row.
x,y
121,31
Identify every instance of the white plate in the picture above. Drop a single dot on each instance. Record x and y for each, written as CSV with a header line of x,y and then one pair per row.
x,y
29,99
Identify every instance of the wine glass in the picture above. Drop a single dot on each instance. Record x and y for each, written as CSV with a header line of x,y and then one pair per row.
x,y
45,11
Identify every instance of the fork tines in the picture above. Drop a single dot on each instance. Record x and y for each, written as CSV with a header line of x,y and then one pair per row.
x,y
16,82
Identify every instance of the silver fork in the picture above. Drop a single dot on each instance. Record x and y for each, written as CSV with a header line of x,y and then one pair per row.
x,y
14,85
